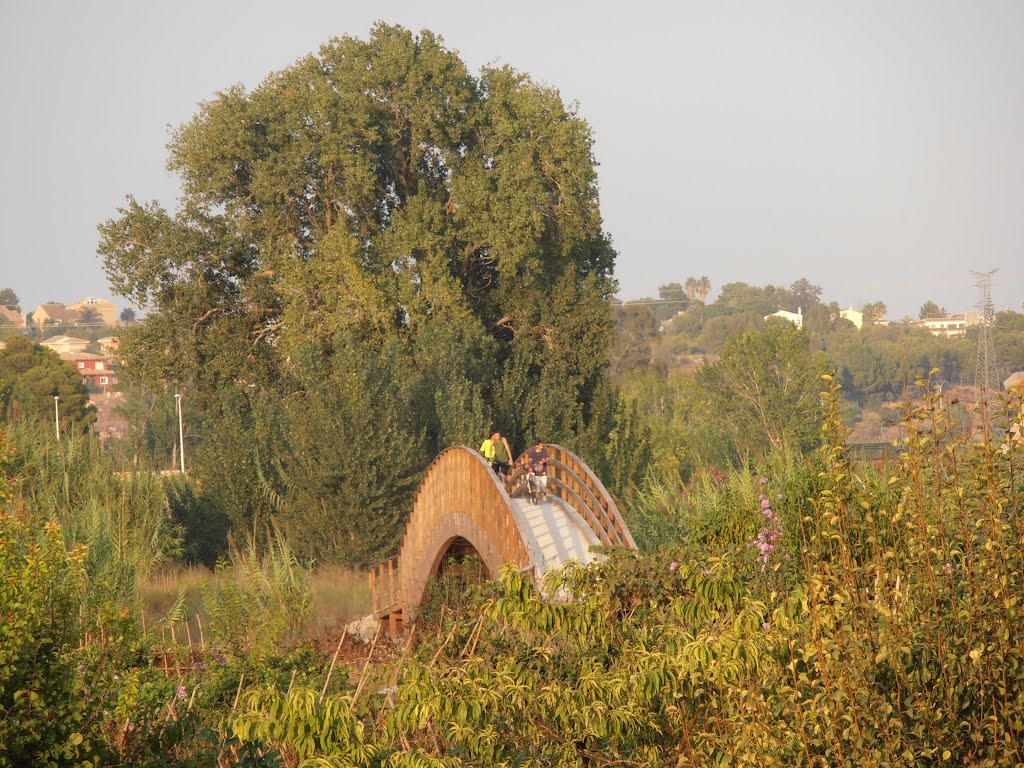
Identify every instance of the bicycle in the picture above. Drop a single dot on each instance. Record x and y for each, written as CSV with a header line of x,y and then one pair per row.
x,y
534,490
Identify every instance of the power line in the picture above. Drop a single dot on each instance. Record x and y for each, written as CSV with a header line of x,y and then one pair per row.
x,y
644,302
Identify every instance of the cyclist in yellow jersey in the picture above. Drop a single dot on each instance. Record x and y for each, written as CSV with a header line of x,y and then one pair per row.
x,y
495,449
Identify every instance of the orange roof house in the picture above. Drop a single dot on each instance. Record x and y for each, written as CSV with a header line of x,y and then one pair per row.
x,y
9,316
105,309
54,313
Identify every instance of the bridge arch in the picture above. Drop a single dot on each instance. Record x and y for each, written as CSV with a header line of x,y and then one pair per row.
x,y
462,507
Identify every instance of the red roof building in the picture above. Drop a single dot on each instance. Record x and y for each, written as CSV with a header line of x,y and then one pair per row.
x,y
94,369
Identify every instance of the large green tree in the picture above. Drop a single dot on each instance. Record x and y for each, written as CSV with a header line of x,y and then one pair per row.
x,y
31,375
376,200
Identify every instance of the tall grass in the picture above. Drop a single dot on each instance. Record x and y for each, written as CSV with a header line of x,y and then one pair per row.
x,y
123,518
260,598
715,509
339,595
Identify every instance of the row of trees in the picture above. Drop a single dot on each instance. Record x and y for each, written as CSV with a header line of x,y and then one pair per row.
x,y
873,362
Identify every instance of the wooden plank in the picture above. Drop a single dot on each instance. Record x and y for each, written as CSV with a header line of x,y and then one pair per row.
x,y
374,599
391,581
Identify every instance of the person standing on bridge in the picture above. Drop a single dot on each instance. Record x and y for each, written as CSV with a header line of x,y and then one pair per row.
x,y
495,449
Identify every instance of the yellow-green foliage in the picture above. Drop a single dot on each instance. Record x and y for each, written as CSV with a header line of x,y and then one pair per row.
x,y
42,719
894,639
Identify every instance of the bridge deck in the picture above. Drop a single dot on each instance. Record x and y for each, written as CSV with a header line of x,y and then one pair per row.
x,y
554,533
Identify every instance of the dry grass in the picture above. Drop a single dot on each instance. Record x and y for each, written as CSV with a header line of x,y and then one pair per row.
x,y
340,595
159,593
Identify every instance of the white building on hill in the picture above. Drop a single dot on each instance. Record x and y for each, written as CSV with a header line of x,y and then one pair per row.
x,y
854,316
64,345
796,318
952,326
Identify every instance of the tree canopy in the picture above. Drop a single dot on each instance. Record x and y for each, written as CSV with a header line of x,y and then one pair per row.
x,y
763,391
31,375
8,298
874,311
377,202
931,309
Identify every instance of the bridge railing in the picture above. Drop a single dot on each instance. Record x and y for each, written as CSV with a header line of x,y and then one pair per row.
x,y
384,587
573,482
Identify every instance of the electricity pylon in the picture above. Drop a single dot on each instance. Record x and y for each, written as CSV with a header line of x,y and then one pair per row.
x,y
987,375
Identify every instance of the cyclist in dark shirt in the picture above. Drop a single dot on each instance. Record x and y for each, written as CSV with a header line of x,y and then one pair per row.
x,y
537,459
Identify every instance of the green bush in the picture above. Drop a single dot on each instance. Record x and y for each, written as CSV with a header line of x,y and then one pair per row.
x,y
203,524
45,717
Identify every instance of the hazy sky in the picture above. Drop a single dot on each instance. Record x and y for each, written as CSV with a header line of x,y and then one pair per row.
x,y
876,148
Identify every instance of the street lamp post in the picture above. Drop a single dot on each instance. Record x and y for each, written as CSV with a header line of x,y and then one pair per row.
x,y
56,416
181,433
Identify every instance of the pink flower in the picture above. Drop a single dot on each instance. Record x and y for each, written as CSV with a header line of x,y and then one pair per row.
x,y
673,566
765,625
769,535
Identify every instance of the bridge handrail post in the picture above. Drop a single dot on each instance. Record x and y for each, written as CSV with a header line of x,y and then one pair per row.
x,y
592,502
607,502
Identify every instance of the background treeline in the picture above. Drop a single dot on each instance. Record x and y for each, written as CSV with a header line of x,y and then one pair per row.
x,y
678,329
715,384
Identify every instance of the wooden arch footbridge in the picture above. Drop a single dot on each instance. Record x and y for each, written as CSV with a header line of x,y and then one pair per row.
x,y
463,508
